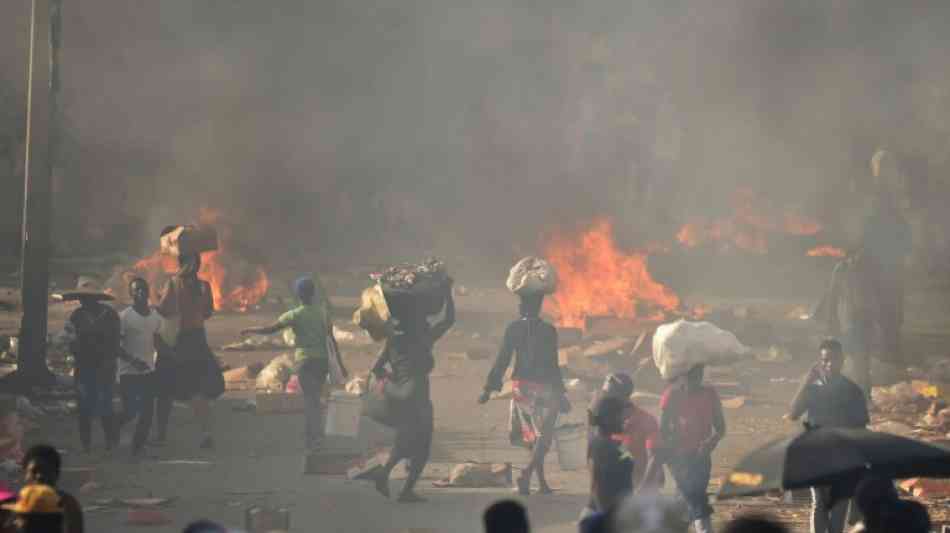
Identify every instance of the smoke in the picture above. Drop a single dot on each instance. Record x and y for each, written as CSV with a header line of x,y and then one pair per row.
x,y
364,130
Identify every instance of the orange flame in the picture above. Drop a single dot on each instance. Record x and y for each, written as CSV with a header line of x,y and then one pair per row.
x,y
596,279
229,294
748,228
826,251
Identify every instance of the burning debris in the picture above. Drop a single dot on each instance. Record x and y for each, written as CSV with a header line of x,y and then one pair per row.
x,y
598,279
827,251
236,283
750,226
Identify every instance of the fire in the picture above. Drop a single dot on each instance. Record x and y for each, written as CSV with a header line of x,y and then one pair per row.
x,y
826,251
597,279
231,291
749,227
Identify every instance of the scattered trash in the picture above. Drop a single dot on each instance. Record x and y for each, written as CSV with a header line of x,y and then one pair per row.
x,y
477,475
892,427
88,487
775,354
259,519
147,517
145,502
734,403
356,386
275,375
926,488
256,342
573,384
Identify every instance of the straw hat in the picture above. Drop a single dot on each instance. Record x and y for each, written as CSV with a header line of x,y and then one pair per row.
x,y
36,499
87,288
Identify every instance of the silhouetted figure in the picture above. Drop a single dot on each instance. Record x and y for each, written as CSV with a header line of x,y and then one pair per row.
x,y
506,516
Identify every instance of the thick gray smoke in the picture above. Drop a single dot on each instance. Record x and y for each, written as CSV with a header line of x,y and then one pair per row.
x,y
351,130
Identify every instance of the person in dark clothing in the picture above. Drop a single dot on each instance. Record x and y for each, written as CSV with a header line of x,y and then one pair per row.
x,y
887,241
506,516
408,353
95,330
691,426
188,370
41,466
611,465
204,526
829,399
538,386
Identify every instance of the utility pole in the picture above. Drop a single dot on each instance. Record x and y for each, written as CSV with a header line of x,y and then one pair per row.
x,y
42,151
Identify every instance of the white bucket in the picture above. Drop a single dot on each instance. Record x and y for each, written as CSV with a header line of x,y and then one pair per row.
x,y
571,442
343,414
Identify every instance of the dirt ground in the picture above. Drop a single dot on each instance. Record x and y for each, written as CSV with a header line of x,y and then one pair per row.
x,y
258,459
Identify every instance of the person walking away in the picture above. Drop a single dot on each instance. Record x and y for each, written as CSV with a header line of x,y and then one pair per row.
x,y
94,329
188,370
829,399
611,465
139,325
312,327
539,392
691,426
408,353
506,516
42,465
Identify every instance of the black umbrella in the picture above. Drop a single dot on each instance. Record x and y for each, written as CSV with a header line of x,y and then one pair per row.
x,y
829,456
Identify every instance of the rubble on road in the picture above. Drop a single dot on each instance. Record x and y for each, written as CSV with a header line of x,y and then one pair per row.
x,y
275,375
477,475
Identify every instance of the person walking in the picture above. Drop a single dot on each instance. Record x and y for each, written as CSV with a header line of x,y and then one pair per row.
x,y
312,329
827,398
139,326
185,367
408,354
539,392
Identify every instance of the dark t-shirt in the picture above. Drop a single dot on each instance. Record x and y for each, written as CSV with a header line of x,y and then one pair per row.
x,y
840,403
533,343
98,331
612,471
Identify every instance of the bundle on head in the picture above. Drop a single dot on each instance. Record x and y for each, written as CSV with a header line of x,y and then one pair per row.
x,y
414,290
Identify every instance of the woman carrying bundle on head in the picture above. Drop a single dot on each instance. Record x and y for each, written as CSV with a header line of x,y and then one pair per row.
x,y
186,368
539,392
408,353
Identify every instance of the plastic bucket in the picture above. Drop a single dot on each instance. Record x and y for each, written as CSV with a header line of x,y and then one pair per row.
x,y
343,414
571,442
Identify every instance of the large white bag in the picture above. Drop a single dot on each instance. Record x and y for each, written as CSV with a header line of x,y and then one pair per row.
x,y
532,275
681,345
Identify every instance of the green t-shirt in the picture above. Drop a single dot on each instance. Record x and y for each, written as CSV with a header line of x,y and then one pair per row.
x,y
309,324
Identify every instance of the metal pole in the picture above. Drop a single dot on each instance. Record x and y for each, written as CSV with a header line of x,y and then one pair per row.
x,y
34,271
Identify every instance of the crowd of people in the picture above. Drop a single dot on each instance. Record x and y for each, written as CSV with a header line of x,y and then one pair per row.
x,y
158,354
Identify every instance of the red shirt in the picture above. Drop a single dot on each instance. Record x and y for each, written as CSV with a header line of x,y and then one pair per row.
x,y
693,419
640,433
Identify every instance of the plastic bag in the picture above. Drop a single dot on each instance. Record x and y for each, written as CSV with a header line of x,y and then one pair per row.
x,y
681,345
532,275
373,314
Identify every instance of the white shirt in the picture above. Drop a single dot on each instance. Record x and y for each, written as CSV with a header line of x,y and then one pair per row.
x,y
138,338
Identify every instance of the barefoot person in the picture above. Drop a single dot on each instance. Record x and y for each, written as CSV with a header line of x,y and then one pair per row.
x,y
408,352
140,325
188,370
539,392
312,329
609,462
